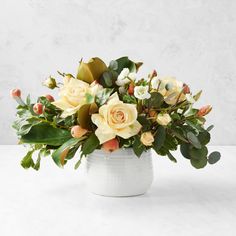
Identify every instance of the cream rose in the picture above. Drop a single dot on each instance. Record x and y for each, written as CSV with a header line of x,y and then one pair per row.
x,y
147,138
73,95
116,119
163,119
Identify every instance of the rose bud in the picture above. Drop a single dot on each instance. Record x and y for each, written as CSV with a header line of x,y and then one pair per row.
x,y
153,74
49,97
16,94
153,115
147,138
204,110
111,145
38,108
131,89
186,89
50,82
77,131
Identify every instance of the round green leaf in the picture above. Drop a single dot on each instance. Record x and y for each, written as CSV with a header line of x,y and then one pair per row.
x,y
214,157
204,137
185,150
200,163
192,138
198,153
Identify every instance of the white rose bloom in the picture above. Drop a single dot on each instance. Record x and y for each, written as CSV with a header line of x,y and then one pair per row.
x,y
141,92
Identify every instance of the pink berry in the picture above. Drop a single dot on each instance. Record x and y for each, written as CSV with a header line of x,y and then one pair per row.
x,y
49,97
111,145
15,93
38,108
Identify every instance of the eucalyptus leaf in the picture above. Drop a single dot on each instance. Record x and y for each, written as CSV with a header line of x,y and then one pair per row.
x,y
214,157
199,163
192,138
198,153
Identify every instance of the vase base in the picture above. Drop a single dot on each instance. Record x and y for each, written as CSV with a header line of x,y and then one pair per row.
x,y
118,195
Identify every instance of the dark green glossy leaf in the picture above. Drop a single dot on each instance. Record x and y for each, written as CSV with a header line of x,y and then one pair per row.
x,y
44,133
138,147
56,155
90,144
146,124
159,138
125,62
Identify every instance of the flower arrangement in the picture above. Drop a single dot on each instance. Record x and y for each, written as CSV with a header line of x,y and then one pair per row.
x,y
110,107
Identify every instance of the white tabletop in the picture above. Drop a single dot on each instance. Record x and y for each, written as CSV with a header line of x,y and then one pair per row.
x,y
181,201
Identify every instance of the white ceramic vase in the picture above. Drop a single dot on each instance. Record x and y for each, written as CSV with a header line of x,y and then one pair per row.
x,y
120,173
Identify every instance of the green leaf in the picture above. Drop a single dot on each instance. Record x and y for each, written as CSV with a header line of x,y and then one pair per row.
x,y
44,133
56,155
198,153
192,138
178,133
125,62
159,138
155,101
129,99
77,164
185,149
146,124
27,161
214,157
113,65
199,163
103,95
204,137
138,147
90,144
171,157
28,100
37,164
210,128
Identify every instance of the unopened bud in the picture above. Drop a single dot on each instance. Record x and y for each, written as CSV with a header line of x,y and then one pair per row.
x,y
50,82
38,108
49,97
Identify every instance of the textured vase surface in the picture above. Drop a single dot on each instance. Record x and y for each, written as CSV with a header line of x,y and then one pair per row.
x,y
119,173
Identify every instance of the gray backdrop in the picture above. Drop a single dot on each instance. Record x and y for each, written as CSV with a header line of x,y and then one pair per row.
x,y
194,40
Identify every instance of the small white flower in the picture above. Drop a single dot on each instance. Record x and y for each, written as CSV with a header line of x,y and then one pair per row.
x,y
155,82
132,76
125,76
141,92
